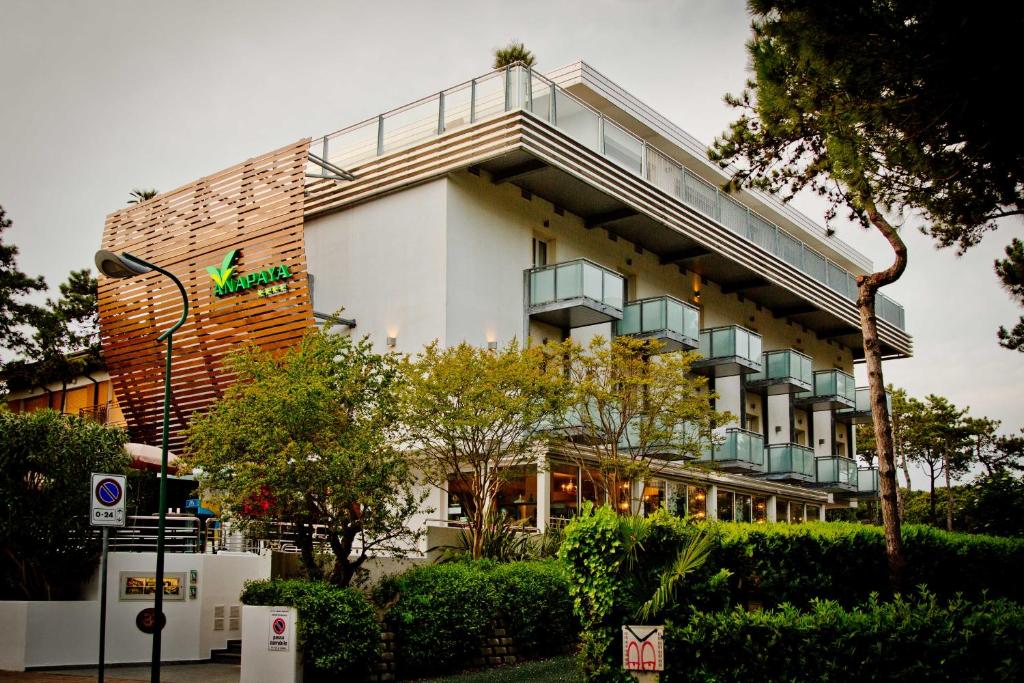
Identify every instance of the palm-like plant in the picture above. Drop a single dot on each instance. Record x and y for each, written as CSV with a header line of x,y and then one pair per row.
x,y
139,195
691,558
512,53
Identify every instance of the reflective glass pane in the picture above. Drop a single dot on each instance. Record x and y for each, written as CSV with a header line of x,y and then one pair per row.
x,y
457,107
754,353
691,320
613,285
410,125
540,100
734,215
490,96
578,122
664,173
778,365
814,265
654,315
674,316
723,342
744,510
623,148
353,146
542,286
700,195
630,323
569,283
725,503
593,286
696,501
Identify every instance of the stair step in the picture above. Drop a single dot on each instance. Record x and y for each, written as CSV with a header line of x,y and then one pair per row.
x,y
225,657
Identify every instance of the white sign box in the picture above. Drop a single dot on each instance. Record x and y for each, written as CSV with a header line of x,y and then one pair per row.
x,y
643,648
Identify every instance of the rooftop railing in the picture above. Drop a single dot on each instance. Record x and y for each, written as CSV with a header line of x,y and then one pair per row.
x,y
518,87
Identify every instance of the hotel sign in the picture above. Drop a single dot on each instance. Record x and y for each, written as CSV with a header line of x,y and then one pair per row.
x,y
267,282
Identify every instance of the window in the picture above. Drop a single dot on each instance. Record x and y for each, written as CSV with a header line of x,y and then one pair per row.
x,y
801,437
781,511
517,496
796,513
812,513
753,423
725,510
744,511
760,509
654,495
540,253
697,502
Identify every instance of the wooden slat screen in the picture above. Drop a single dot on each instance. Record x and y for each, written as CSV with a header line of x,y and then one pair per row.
x,y
256,207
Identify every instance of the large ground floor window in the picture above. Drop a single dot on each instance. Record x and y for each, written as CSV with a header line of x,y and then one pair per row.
x,y
516,499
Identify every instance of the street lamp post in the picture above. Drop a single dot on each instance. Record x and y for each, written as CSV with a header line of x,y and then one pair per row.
x,y
126,266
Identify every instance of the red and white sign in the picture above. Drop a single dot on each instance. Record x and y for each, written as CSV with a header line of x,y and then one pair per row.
x,y
643,648
279,639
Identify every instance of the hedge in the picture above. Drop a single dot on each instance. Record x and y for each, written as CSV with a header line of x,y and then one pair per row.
x,y
913,640
338,629
442,614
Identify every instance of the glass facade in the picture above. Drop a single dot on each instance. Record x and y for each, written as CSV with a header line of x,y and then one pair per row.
x,y
725,506
760,510
653,495
697,502
744,508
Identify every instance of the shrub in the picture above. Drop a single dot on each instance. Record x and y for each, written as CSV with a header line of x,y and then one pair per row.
x,y
915,640
338,629
442,614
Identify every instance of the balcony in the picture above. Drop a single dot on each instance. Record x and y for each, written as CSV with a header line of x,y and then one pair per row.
x,y
837,474
643,437
784,372
832,389
790,462
867,481
860,413
741,451
667,320
575,293
730,350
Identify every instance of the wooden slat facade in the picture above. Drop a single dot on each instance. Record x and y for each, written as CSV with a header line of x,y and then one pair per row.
x,y
255,207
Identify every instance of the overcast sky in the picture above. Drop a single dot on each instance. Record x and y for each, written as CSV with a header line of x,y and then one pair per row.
x,y
98,98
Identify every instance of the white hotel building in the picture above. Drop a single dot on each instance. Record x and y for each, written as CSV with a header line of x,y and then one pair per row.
x,y
518,205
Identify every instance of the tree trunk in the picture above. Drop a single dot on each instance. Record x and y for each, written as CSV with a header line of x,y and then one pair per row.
x,y
931,495
868,286
906,476
949,492
305,538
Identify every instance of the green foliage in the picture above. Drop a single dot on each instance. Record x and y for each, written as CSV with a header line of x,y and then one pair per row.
x,y
472,416
47,548
307,437
1010,272
514,52
921,639
442,614
338,629
140,195
15,312
994,504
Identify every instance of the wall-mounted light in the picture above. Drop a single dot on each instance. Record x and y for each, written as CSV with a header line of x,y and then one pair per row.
x,y
392,342
821,442
778,428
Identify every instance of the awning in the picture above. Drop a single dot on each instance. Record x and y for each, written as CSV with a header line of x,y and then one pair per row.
x,y
146,457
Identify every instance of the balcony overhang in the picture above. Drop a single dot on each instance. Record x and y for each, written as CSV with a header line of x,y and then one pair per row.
x,y
853,417
777,386
816,403
726,366
516,147
571,313
668,340
790,477
735,466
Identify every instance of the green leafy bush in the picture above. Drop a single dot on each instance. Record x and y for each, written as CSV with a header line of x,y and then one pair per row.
x,y
920,639
442,614
338,629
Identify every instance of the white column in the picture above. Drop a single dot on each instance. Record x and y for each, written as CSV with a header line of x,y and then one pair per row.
x,y
543,491
822,432
636,496
711,503
778,419
773,502
821,513
730,397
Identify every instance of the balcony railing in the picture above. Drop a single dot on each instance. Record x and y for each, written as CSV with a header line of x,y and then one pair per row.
x,y
574,294
729,350
860,413
867,480
837,473
740,450
790,461
517,87
670,321
832,389
783,371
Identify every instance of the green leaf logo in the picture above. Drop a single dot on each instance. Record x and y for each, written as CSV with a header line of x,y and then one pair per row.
x,y
223,273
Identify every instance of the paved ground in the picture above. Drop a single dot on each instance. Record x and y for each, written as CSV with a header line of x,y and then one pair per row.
x,y
169,673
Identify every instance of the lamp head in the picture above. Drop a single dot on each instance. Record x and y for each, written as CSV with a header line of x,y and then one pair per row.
x,y
119,266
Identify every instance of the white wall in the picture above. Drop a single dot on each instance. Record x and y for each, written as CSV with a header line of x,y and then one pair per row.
x,y
384,262
259,663
65,633
778,416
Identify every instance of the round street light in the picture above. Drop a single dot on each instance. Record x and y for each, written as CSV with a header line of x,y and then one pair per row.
x,y
122,266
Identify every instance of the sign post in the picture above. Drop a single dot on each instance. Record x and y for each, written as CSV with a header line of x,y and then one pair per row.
x,y
643,651
107,510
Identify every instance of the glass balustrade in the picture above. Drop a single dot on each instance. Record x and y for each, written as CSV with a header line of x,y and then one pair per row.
x,y
670,321
518,87
867,480
574,294
860,413
832,389
739,450
837,473
729,350
790,461
783,371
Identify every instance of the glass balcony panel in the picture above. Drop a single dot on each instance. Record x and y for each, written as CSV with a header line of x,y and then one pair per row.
x,y
790,249
814,264
704,344
654,315
412,124
630,323
540,97
613,289
836,278
578,122
754,347
700,195
664,173
674,317
489,96
515,88
761,233
622,148
734,215
778,365
457,107
569,281
353,146
542,286
723,342
593,287
806,369
691,322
